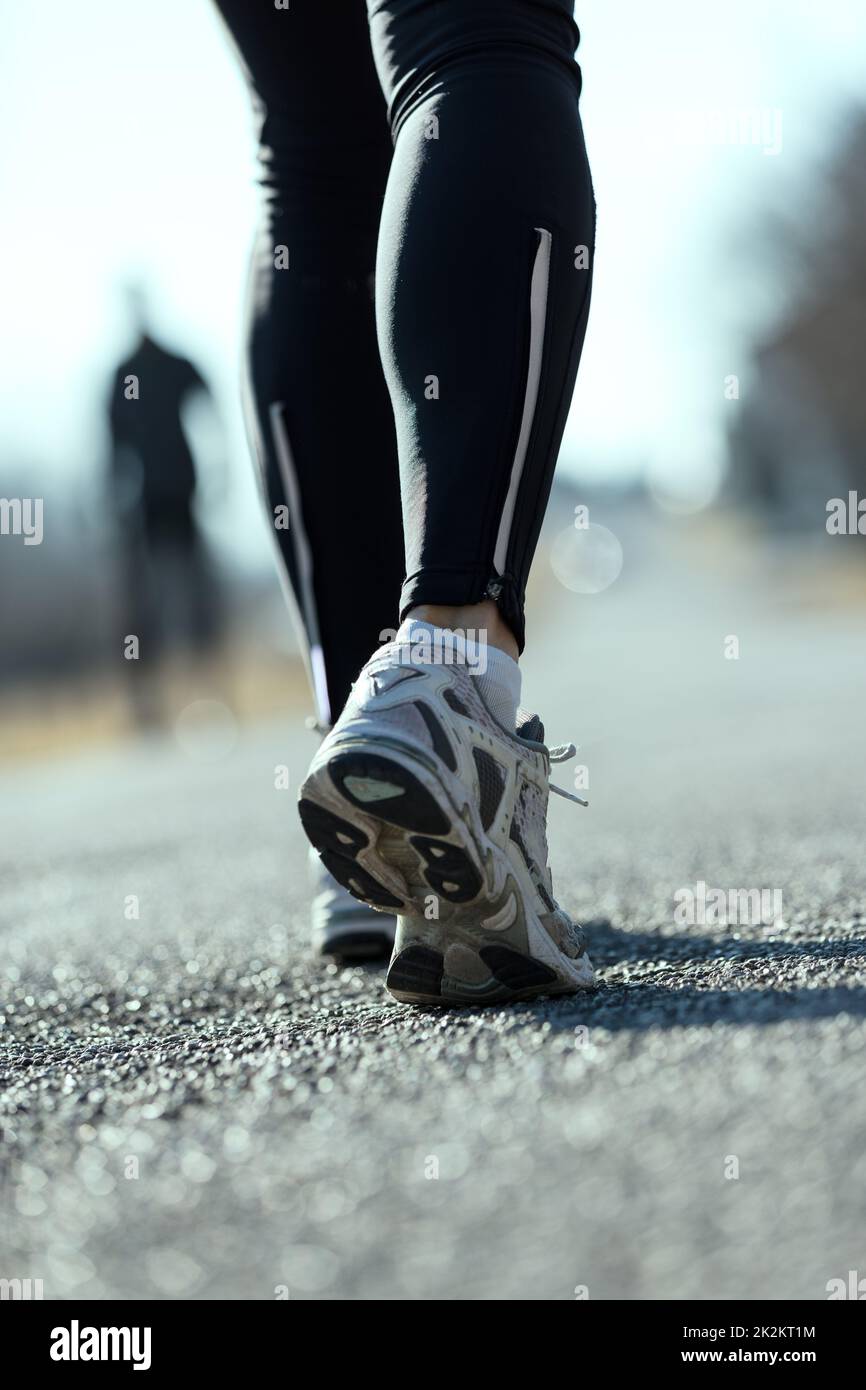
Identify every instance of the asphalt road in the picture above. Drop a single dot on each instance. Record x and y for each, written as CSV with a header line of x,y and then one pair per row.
x,y
194,1107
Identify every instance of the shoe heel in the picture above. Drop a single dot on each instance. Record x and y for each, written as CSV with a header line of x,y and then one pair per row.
x,y
448,965
386,830
387,789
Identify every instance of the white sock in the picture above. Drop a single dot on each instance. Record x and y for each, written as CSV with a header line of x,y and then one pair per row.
x,y
500,687
497,673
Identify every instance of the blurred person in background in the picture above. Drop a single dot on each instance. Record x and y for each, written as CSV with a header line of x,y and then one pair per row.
x,y
168,589
419,298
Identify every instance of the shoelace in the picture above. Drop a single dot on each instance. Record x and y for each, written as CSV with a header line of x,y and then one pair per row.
x,y
561,754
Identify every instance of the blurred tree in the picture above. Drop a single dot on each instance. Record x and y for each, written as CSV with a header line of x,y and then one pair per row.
x,y
800,436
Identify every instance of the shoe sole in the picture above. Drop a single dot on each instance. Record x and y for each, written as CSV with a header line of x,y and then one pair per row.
x,y
386,827
355,939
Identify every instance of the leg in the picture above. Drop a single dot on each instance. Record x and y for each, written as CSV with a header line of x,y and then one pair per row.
x,y
321,417
482,284
426,799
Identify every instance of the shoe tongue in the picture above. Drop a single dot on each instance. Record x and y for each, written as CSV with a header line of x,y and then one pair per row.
x,y
529,726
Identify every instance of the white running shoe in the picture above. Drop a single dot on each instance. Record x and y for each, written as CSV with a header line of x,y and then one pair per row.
x,y
420,803
344,927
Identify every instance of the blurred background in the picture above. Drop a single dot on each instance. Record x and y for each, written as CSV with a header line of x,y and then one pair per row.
x,y
695,628
719,394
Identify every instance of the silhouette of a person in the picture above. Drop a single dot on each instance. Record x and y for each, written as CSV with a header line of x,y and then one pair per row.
x,y
167,580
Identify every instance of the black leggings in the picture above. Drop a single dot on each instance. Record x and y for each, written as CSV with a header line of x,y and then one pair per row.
x,y
467,191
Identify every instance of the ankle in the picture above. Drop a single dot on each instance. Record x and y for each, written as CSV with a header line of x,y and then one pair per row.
x,y
481,620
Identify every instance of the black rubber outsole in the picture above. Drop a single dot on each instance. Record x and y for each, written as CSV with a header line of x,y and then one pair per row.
x,y
448,869
363,945
411,808
363,779
337,842
419,972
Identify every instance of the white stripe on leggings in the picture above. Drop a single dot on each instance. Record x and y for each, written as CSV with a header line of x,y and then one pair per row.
x,y
304,562
537,320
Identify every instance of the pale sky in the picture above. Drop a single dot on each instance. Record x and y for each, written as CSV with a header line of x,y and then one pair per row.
x,y
125,143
